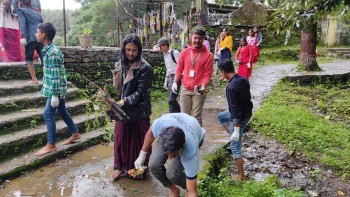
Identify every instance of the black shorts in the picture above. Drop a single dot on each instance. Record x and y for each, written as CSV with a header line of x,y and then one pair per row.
x,y
29,51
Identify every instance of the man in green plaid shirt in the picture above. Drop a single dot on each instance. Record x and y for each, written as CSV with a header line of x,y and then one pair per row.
x,y
54,88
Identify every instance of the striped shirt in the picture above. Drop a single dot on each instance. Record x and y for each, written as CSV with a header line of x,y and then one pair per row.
x,y
54,79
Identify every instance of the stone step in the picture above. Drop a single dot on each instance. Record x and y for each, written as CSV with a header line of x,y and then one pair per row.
x,y
17,87
18,70
29,100
32,117
28,139
25,163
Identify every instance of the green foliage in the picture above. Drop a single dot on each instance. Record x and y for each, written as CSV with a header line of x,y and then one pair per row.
x,y
58,40
223,186
159,77
289,18
313,119
94,15
86,32
56,18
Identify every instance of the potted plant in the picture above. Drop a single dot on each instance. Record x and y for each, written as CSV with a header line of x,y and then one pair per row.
x,y
85,38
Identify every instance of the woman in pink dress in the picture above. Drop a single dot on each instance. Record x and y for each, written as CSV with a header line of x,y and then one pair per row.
x,y
244,59
9,33
252,40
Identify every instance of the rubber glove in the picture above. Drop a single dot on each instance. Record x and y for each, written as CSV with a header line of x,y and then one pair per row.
x,y
140,160
235,134
174,88
54,101
165,85
121,103
248,65
23,42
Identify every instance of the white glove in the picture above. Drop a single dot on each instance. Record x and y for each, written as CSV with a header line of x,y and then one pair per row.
x,y
235,134
121,103
165,85
23,42
54,101
140,160
248,65
174,88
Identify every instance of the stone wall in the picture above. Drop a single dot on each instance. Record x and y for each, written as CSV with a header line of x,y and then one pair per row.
x,y
96,64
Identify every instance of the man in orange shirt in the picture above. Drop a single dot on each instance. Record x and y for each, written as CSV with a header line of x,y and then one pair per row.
x,y
195,68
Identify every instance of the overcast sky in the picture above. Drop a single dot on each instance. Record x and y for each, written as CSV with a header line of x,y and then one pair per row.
x,y
58,4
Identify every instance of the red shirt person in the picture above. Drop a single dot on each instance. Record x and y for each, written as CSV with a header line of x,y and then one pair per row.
x,y
195,68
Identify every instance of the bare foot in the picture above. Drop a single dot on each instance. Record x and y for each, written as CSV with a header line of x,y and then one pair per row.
x,y
174,191
117,174
46,149
74,137
33,82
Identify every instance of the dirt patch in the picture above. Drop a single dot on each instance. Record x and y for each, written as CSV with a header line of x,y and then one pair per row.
x,y
264,157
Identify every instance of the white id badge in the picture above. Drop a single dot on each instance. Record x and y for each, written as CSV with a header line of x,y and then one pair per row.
x,y
191,73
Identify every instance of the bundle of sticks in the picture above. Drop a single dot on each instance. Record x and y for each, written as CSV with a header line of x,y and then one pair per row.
x,y
114,112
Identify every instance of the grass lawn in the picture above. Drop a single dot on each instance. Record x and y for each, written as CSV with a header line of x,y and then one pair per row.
x,y
313,119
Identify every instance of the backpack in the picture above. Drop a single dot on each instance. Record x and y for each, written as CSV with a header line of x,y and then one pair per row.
x,y
172,55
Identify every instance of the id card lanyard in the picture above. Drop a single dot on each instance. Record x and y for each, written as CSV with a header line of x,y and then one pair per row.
x,y
193,62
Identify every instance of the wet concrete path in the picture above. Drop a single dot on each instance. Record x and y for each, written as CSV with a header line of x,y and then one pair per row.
x,y
88,173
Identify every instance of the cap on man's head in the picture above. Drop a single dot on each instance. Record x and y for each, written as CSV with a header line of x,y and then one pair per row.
x,y
163,41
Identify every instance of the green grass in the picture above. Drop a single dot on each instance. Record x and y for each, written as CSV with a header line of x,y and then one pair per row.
x,y
313,119
289,55
159,100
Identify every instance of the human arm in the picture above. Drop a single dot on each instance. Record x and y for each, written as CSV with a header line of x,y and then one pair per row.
x,y
208,71
22,23
149,138
259,38
237,54
233,99
180,68
14,6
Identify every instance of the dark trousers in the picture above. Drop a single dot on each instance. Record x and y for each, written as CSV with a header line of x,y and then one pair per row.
x,y
174,106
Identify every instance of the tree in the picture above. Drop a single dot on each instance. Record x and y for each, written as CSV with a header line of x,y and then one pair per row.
x,y
302,16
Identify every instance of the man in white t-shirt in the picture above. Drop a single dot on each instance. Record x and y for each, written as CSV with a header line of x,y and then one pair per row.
x,y
171,57
180,137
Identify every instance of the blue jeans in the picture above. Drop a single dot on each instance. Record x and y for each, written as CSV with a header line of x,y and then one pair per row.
x,y
49,117
235,146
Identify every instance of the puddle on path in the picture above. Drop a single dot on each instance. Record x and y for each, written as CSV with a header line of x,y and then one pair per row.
x,y
84,174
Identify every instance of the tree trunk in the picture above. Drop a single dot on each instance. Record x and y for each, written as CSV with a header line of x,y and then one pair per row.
x,y
307,57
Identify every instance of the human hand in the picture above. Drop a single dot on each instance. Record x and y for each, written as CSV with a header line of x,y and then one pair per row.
x,y
140,160
235,134
165,85
121,103
54,101
238,61
23,42
174,87
248,65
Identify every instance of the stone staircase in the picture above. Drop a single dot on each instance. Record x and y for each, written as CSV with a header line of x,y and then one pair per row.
x,y
22,127
342,52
